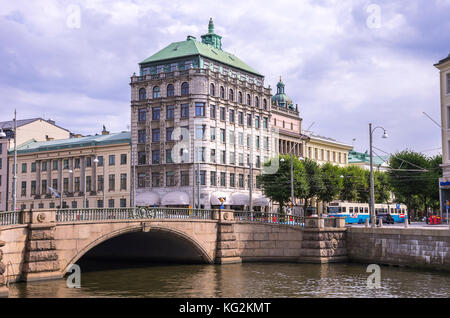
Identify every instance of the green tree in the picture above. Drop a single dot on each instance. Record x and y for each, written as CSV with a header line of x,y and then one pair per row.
x,y
314,179
277,186
409,178
382,187
354,184
332,182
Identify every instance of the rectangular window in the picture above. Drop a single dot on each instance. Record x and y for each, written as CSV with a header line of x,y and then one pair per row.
x,y
258,161
141,180
202,177
231,115
33,167
212,111
184,178
241,159
123,181
241,139
200,132
100,183
155,156
213,155
232,180
123,203
241,180
213,133
184,110
156,135
77,184
448,83
213,178
232,158
99,203
66,184
112,160
88,162
223,179
142,158
266,143
142,114
88,183
249,120
55,184
241,118
222,135
123,159
156,113
156,179
169,156
169,133
258,142
44,187
110,203
170,112
33,187
257,122
223,157
222,113
141,136
112,182
232,137
200,109
24,167
44,165
265,123
170,179
55,165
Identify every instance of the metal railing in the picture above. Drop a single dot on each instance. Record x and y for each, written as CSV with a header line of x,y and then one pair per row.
x,y
74,215
273,218
10,218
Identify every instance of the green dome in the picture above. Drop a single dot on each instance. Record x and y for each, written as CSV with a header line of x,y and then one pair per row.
x,y
280,98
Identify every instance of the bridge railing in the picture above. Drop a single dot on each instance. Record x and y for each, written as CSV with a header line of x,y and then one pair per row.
x,y
10,218
73,215
273,218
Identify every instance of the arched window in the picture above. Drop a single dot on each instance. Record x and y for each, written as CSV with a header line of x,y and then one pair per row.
x,y
142,94
265,103
185,88
222,92
170,90
231,95
212,90
240,98
249,100
257,102
156,92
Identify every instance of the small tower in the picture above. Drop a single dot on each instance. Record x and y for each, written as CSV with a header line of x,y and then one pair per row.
x,y
211,38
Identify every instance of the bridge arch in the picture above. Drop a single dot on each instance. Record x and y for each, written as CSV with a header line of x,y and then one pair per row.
x,y
192,241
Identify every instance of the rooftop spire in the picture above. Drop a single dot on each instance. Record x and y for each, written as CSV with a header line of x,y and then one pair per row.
x,y
211,26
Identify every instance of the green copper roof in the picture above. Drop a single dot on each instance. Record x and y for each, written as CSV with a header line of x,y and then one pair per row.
x,y
210,50
89,141
358,157
281,98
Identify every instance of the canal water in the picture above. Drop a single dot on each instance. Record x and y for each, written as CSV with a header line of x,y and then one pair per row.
x,y
259,280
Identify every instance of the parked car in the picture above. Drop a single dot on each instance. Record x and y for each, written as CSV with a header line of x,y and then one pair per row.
x,y
386,217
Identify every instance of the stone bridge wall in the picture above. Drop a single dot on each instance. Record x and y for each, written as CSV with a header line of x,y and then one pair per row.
x,y
413,247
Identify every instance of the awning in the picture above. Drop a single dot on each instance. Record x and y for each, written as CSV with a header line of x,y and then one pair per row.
x,y
261,201
175,198
147,198
215,198
240,199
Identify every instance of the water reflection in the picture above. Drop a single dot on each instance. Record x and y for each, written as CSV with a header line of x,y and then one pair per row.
x,y
259,280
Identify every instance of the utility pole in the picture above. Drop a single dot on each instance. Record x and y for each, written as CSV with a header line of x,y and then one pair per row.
x,y
14,189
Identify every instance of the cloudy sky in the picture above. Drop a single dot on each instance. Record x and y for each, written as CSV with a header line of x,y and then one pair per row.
x,y
345,63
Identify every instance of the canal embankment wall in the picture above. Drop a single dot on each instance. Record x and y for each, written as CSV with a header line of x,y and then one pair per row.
x,y
410,247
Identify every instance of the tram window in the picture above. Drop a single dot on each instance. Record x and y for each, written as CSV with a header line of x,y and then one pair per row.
x,y
361,209
350,209
344,209
366,210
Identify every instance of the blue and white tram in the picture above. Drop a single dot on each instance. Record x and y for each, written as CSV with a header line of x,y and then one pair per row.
x,y
356,212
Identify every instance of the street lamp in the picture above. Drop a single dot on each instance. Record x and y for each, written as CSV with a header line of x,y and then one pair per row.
x,y
97,161
372,187
292,176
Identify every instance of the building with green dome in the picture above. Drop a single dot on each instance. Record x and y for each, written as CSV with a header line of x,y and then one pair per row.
x,y
281,99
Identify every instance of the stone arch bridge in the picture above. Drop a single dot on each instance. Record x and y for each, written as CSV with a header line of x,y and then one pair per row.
x,y
43,244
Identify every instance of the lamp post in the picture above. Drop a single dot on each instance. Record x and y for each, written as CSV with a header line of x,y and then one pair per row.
x,y
372,186
97,161
292,176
